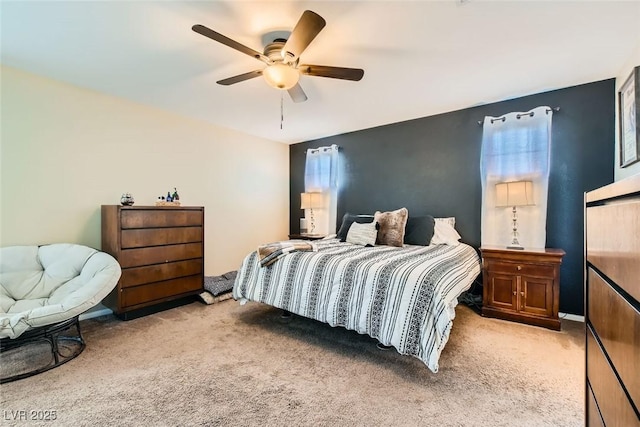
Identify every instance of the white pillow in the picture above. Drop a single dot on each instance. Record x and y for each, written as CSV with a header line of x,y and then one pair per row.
x,y
362,234
449,220
444,232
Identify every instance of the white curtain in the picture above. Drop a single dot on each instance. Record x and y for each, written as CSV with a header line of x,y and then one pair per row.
x,y
321,174
516,147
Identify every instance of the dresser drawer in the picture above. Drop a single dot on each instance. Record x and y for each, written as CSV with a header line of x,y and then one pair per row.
x,y
613,246
155,273
619,334
520,269
161,290
160,218
137,238
615,408
593,413
159,254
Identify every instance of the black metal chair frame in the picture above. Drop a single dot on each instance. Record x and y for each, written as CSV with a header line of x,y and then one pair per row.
x,y
51,334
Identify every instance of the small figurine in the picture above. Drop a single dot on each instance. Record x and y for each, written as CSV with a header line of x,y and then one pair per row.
x,y
169,198
127,199
175,194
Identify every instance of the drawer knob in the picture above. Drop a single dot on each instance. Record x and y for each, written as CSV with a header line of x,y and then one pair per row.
x,y
522,293
515,293
519,267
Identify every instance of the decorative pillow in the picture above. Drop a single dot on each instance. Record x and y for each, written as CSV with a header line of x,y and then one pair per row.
x,y
449,220
419,230
391,227
349,219
444,232
362,234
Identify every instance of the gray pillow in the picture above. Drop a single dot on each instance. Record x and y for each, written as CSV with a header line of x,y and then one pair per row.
x,y
419,230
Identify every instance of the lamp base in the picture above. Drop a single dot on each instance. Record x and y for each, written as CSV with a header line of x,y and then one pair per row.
x,y
520,248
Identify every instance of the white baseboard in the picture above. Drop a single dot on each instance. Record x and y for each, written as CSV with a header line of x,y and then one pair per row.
x,y
574,317
95,313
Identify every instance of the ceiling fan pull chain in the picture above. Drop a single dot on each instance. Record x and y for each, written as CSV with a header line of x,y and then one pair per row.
x,y
281,109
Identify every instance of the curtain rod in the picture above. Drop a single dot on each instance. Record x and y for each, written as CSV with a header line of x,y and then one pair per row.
x,y
530,114
325,148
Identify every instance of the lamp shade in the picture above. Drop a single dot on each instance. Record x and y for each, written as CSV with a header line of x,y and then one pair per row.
x,y
310,200
517,193
281,76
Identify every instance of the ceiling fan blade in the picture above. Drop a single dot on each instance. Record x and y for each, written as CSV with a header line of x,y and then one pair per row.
x,y
240,78
297,94
213,35
333,72
307,28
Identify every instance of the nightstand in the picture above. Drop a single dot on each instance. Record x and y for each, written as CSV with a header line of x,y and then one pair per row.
x,y
306,236
522,285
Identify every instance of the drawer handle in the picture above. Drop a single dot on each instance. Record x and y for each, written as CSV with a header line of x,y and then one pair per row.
x,y
521,293
515,293
519,267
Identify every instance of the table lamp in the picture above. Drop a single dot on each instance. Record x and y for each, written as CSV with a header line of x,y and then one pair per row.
x,y
309,201
514,194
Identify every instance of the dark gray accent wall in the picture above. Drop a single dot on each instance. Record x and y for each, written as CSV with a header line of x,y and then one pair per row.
x,y
431,166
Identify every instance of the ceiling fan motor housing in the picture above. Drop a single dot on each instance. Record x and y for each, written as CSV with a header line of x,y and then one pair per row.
x,y
274,51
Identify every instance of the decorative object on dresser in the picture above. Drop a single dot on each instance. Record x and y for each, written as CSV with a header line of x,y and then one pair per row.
x,y
310,201
514,194
522,285
170,200
612,304
161,251
127,199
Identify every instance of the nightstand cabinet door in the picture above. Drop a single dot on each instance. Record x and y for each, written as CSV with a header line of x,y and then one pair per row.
x,y
503,291
522,285
536,295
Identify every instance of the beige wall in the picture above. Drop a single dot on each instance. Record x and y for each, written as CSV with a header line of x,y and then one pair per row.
x,y
634,61
65,151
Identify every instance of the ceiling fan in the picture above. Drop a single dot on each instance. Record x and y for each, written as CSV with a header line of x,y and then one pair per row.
x,y
282,57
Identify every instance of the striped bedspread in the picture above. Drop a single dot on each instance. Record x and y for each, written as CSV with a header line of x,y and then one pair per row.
x,y
403,297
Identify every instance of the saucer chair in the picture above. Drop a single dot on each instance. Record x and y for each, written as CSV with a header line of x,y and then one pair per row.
x,y
43,290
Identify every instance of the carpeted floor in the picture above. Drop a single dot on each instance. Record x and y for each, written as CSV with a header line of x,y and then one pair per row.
x,y
227,365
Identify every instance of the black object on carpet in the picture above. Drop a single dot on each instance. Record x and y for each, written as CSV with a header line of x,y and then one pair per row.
x,y
217,285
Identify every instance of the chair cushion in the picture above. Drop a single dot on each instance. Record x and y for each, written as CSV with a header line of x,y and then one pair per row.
x,y
51,283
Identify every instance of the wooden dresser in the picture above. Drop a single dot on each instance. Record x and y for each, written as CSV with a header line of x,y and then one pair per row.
x,y
160,250
522,285
612,304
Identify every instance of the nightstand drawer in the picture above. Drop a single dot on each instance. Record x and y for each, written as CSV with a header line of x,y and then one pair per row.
x,y
521,269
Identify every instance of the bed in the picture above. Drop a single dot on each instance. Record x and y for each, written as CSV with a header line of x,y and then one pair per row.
x,y
404,297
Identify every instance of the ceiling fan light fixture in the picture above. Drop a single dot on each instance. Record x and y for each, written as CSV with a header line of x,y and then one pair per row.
x,y
281,76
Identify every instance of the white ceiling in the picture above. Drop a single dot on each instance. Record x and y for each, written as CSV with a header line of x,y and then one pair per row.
x,y
420,57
